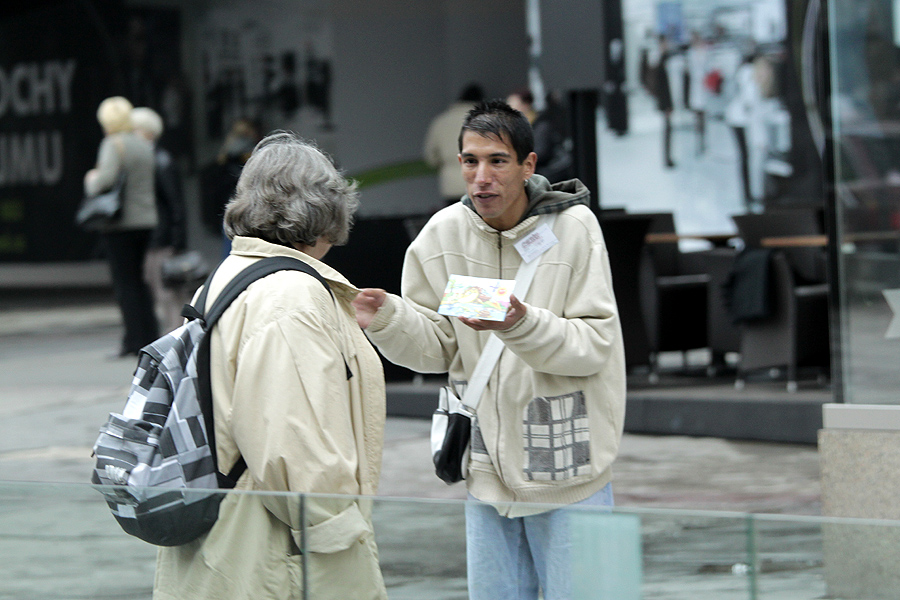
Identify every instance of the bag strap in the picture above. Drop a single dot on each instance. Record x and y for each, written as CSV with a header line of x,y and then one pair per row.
x,y
494,346
233,289
257,270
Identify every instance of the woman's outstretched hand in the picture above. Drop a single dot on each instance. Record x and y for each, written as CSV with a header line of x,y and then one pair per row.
x,y
367,303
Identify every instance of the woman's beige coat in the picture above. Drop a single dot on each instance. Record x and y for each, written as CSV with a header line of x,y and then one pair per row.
x,y
283,401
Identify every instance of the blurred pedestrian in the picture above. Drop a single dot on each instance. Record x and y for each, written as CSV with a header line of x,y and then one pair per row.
x,y
552,144
523,101
740,115
170,235
441,149
126,241
663,92
697,62
298,393
218,179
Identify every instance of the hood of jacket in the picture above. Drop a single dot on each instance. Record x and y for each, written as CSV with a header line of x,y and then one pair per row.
x,y
546,198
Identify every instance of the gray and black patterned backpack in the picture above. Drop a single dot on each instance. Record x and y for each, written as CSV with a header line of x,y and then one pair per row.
x,y
151,457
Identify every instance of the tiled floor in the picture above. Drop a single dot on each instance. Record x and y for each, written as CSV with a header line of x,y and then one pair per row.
x,y
703,190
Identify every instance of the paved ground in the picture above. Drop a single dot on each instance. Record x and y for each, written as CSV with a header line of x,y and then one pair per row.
x,y
56,388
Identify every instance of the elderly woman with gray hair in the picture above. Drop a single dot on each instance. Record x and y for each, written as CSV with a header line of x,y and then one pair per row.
x,y
298,392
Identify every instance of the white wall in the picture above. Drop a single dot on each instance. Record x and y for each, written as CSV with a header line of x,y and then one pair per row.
x,y
395,67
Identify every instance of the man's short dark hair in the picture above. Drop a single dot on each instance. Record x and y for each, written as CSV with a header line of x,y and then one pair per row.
x,y
497,118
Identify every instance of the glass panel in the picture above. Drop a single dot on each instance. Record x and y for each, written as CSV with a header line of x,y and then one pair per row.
x,y
789,559
866,113
695,555
606,555
422,548
60,541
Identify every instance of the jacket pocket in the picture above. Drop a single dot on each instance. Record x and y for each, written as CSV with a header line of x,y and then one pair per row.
x,y
556,438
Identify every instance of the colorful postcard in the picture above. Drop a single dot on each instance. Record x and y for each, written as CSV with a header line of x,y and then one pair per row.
x,y
476,297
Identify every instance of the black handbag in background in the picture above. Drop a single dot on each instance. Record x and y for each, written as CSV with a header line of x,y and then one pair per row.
x,y
97,212
183,269
101,210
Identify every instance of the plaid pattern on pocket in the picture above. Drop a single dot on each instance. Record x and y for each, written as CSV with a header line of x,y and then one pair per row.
x,y
556,438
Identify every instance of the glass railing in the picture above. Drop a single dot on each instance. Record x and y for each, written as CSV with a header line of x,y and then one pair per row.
x,y
60,541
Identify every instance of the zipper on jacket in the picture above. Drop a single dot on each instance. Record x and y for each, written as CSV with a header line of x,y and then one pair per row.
x,y
496,374
499,255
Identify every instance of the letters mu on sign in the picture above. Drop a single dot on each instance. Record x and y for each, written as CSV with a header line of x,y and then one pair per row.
x,y
34,157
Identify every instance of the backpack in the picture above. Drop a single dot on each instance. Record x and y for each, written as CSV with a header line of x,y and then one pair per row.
x,y
150,458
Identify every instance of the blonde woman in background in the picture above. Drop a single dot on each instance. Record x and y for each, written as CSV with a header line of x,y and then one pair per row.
x,y
125,242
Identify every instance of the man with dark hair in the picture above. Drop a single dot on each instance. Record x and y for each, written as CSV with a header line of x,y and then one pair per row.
x,y
550,419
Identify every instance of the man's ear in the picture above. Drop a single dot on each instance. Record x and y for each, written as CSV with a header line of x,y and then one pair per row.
x,y
530,163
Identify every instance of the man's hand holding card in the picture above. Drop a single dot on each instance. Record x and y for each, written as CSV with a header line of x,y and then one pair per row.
x,y
481,303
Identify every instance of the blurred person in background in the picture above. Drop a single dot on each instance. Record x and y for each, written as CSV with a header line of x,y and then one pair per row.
x,y
170,235
663,92
697,62
741,115
552,144
442,143
523,101
126,241
298,393
218,179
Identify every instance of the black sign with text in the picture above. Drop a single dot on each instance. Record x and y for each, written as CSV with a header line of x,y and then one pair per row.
x,y
57,62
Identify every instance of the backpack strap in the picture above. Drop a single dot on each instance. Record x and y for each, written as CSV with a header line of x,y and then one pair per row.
x,y
257,270
189,311
238,284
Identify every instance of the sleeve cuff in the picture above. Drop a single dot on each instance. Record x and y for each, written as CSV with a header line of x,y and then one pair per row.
x,y
521,327
384,316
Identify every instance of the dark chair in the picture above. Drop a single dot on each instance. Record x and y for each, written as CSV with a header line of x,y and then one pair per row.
x,y
624,234
674,295
808,263
794,331
723,335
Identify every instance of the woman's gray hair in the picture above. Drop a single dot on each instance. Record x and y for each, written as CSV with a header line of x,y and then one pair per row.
x,y
290,193
147,120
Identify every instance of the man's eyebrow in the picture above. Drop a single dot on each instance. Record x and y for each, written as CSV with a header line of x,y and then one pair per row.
x,y
492,154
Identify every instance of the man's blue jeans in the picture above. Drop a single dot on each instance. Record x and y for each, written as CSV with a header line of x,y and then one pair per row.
x,y
512,558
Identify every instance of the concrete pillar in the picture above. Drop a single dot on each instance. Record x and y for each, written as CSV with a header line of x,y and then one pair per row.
x,y
859,449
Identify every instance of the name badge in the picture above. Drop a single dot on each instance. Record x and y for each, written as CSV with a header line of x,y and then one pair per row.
x,y
536,243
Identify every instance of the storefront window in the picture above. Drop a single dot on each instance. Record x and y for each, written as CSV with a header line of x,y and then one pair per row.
x,y
720,151
710,128
864,38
